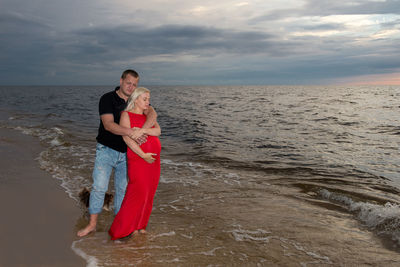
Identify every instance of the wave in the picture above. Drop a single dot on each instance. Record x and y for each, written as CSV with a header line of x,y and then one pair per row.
x,y
65,160
90,260
383,219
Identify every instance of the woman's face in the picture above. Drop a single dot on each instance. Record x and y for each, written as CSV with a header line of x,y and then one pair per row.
x,y
143,101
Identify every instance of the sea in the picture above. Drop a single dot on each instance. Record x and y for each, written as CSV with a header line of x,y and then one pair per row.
x,y
250,175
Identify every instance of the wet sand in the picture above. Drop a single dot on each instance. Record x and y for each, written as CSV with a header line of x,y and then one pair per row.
x,y
37,225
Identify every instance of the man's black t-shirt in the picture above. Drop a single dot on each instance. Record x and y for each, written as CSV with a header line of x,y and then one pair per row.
x,y
111,103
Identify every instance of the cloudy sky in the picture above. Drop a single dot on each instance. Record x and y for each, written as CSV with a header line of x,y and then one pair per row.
x,y
173,42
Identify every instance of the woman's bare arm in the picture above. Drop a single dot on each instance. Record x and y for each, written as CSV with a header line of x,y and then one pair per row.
x,y
125,122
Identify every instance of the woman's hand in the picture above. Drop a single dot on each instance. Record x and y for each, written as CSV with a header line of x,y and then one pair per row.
x,y
148,157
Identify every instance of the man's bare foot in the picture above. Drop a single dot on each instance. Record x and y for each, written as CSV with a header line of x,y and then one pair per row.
x,y
142,231
87,230
91,227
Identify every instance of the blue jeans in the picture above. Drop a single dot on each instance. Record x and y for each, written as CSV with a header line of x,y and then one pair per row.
x,y
107,159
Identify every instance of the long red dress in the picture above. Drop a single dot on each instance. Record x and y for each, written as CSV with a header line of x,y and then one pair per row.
x,y
143,177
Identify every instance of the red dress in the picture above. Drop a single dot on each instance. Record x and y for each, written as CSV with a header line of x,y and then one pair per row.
x,y
143,181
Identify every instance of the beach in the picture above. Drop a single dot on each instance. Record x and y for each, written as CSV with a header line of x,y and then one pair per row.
x,y
250,176
38,219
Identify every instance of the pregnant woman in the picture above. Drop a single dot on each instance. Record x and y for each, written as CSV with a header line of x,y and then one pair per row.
x,y
143,169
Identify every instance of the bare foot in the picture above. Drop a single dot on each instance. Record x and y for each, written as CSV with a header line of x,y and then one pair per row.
x,y
87,230
142,231
90,227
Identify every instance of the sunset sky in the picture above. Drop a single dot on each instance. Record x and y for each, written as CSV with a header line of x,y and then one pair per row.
x,y
90,42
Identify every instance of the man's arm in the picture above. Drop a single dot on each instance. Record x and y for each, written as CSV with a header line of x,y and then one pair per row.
x,y
124,122
151,119
154,131
115,128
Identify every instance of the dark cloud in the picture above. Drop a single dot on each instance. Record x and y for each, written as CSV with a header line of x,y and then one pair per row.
x,y
25,46
320,27
39,50
34,51
175,39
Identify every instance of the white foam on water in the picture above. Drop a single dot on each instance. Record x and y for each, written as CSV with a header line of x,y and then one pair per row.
x,y
263,236
174,207
176,200
287,244
147,247
385,219
169,261
258,235
25,130
60,173
232,182
192,174
54,138
58,130
56,142
90,260
232,175
164,207
311,254
207,253
178,179
163,180
50,135
180,164
187,236
172,233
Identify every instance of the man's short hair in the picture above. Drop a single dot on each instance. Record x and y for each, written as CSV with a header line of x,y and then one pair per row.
x,y
129,72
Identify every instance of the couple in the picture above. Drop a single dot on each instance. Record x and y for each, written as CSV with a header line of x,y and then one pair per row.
x,y
126,120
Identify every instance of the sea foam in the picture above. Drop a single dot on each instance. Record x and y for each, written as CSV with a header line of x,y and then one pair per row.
x,y
90,260
383,219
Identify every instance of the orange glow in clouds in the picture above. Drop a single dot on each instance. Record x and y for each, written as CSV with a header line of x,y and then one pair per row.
x,y
374,79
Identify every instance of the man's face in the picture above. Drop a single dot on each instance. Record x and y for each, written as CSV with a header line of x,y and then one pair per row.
x,y
128,85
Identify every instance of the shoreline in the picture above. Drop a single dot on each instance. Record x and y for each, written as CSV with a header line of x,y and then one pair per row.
x,y
39,220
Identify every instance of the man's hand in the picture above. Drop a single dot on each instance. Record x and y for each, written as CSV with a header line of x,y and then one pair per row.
x,y
136,133
141,140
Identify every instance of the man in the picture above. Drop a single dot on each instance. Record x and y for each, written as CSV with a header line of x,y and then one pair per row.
x,y
111,148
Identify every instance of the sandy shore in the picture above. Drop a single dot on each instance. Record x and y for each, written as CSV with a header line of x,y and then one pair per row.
x,y
37,225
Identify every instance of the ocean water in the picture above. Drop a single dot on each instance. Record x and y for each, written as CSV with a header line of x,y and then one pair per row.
x,y
250,175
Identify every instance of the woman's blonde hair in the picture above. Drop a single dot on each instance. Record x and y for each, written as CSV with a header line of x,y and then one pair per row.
x,y
131,100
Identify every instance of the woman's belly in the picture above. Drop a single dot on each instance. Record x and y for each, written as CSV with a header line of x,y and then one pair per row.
x,y
153,145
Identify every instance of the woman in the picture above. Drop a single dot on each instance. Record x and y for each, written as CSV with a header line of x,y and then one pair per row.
x,y
143,169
